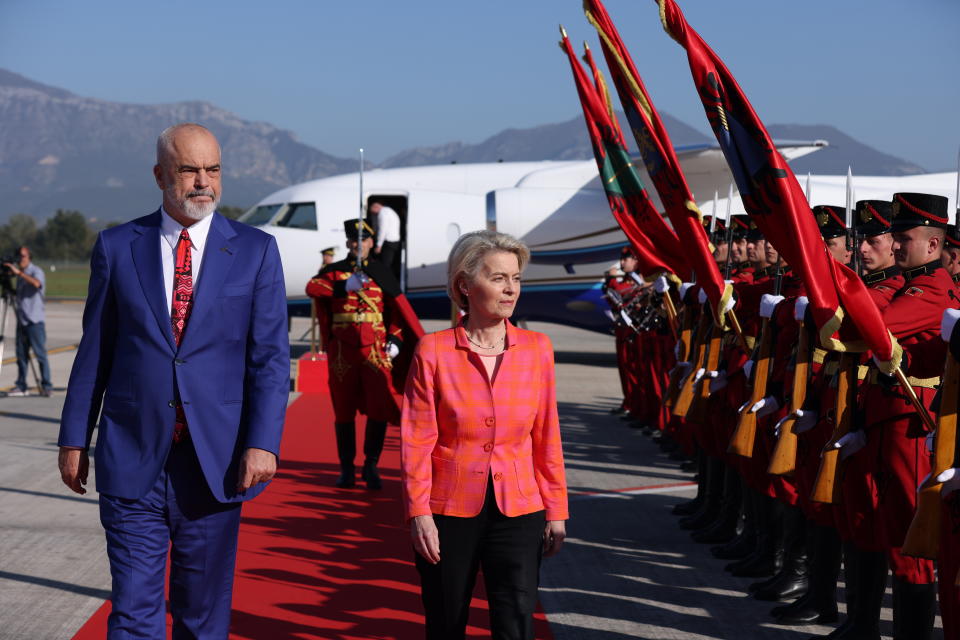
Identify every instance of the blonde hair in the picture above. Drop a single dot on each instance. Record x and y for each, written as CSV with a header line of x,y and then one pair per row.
x,y
468,253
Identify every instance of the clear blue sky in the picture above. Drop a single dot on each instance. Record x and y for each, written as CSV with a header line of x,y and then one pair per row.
x,y
388,75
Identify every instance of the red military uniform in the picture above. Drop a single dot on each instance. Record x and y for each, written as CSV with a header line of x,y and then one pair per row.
x,y
625,335
356,328
365,320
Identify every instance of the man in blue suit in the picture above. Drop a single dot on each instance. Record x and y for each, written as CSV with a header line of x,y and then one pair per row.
x,y
184,367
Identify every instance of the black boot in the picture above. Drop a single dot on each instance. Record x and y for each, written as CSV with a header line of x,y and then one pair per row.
x,y
745,541
914,607
346,451
711,505
869,583
767,558
819,604
372,447
691,506
793,579
724,528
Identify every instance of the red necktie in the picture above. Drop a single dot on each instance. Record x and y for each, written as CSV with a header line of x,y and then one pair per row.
x,y
180,313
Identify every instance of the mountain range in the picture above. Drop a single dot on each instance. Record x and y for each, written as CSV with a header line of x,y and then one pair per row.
x,y
61,150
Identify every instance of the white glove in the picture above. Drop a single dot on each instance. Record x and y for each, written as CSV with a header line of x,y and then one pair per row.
x,y
951,481
626,318
699,375
392,350
800,309
851,443
765,406
702,296
638,279
683,289
748,368
718,382
743,407
661,284
609,314
806,420
356,281
950,317
731,303
768,303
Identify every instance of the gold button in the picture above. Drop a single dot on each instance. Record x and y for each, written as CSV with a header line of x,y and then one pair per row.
x,y
490,421
498,476
488,447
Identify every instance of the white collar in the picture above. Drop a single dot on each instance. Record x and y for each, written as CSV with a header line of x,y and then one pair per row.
x,y
170,230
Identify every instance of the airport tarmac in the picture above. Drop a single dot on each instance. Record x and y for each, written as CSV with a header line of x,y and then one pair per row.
x,y
627,570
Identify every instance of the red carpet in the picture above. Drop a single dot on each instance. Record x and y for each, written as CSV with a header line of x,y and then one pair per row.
x,y
317,562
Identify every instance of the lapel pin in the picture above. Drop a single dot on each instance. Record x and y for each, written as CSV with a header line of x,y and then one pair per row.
x,y
226,250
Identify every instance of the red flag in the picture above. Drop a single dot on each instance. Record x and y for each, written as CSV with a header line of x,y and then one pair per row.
x,y
775,201
601,86
655,244
659,157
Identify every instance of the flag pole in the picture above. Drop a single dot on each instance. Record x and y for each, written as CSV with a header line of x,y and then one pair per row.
x,y
360,225
915,401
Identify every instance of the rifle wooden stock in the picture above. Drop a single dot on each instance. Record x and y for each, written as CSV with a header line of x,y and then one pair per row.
x,y
743,438
923,537
784,458
685,396
671,313
686,344
701,392
826,488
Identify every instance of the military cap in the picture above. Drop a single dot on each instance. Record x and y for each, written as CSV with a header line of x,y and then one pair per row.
x,y
831,221
741,224
919,210
953,236
626,251
873,217
753,232
329,251
351,228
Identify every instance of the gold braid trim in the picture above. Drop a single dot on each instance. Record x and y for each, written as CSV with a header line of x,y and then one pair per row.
x,y
663,20
888,367
724,299
631,80
830,328
601,85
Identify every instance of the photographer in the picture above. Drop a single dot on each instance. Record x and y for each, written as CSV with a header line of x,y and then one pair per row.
x,y
31,331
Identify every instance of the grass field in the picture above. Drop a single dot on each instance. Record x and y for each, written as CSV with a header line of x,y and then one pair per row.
x,y
67,281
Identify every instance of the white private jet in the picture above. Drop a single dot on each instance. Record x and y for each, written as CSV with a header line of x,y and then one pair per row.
x,y
558,208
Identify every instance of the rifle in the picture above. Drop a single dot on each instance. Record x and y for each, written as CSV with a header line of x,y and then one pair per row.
x,y
826,488
685,395
686,345
701,391
745,434
784,458
923,537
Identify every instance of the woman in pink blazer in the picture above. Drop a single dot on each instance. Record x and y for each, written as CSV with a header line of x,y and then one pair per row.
x,y
482,462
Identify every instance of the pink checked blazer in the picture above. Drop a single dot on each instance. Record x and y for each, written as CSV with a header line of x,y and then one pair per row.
x,y
457,429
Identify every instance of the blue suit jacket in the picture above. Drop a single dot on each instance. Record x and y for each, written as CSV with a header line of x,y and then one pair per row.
x,y
231,371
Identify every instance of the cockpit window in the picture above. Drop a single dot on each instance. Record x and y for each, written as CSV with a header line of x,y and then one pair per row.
x,y
260,215
299,215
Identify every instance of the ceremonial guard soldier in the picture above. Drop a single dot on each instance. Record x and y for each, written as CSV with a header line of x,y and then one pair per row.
x,y
619,290
891,454
951,253
369,331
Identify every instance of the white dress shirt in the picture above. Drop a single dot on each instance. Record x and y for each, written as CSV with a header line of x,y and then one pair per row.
x,y
388,226
169,237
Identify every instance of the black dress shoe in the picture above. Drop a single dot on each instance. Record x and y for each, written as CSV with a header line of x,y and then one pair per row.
x,y
616,411
371,477
809,615
347,479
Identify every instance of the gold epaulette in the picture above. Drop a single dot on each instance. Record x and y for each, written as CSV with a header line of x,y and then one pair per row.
x,y
356,318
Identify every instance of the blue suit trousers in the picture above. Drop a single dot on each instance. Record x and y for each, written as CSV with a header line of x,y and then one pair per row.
x,y
179,516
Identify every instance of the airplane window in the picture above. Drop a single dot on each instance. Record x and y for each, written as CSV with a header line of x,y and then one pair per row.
x,y
260,215
302,215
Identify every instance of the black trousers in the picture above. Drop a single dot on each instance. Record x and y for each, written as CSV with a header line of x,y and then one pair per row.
x,y
388,254
508,550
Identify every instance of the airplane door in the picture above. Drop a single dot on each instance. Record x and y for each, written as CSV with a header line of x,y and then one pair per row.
x,y
399,204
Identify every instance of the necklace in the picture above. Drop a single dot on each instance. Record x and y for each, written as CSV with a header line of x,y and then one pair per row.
x,y
483,346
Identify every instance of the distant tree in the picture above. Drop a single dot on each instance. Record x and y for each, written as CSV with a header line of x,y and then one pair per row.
x,y
20,230
231,212
65,236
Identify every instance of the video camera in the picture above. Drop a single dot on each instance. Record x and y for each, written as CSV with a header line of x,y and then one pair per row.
x,y
7,284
